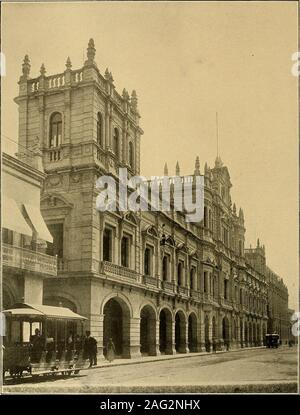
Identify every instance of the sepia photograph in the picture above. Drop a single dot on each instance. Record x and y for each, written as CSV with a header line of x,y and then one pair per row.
x,y
149,199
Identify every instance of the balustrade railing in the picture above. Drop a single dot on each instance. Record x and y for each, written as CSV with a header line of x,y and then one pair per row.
x,y
17,257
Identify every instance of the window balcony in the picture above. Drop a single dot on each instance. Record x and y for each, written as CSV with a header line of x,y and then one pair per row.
x,y
184,291
153,282
168,286
120,273
25,259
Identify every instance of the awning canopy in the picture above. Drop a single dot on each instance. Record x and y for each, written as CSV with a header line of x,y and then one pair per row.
x,y
38,310
38,222
12,217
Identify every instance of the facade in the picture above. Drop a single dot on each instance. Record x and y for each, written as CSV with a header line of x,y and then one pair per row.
x,y
278,312
149,280
25,262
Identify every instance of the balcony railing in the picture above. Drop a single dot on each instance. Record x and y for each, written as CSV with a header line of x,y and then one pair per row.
x,y
168,286
183,291
16,257
119,272
154,282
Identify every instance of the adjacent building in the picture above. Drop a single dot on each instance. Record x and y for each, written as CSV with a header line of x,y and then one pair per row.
x,y
25,262
150,280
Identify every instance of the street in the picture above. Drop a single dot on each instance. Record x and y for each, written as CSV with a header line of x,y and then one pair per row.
x,y
213,372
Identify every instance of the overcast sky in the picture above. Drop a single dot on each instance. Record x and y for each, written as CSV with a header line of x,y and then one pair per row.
x,y
187,61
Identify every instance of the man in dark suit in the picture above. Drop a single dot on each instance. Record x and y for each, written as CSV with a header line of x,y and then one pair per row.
x,y
90,348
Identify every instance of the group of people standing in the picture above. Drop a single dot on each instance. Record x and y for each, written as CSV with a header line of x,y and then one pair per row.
x,y
90,349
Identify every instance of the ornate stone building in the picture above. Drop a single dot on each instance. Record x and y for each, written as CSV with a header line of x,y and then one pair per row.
x,y
196,291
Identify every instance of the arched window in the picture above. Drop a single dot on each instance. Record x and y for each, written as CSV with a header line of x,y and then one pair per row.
x,y
55,130
116,142
130,155
99,128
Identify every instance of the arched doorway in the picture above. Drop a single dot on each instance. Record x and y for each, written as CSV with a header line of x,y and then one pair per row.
x,y
214,333
241,334
148,331
258,339
165,331
116,325
192,333
250,339
180,332
225,332
206,333
246,334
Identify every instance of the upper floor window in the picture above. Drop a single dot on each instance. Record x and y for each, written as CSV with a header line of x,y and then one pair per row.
x,y
116,142
125,251
57,247
7,236
99,128
179,273
165,268
130,155
192,279
147,261
205,217
107,245
205,288
55,130
226,289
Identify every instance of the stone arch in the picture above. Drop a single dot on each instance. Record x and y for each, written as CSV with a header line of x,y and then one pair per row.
x,y
116,325
206,333
214,333
226,332
250,334
180,331
246,333
165,331
192,332
120,296
148,318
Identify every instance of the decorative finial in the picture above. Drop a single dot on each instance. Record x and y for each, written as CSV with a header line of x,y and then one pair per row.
x,y
166,172
205,169
111,77
43,70
218,162
68,64
106,74
197,166
177,169
26,67
134,100
234,209
125,95
91,52
241,214
258,243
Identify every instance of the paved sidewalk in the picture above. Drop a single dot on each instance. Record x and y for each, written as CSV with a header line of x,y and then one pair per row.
x,y
149,359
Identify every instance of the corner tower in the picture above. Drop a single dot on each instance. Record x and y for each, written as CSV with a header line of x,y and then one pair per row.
x,y
78,118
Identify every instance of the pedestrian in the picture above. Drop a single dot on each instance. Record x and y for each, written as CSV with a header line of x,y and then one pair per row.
x,y
111,350
90,348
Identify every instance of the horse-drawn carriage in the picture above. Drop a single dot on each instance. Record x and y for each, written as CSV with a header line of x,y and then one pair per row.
x,y
42,339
